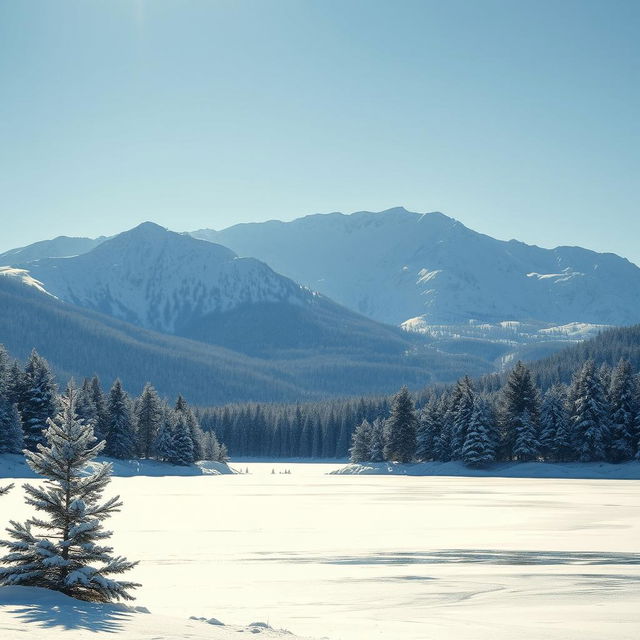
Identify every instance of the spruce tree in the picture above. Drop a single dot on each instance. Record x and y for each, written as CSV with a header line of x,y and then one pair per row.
x,y
149,415
38,399
554,423
427,431
589,415
360,450
376,445
479,445
462,407
163,443
64,549
519,395
120,428
195,431
11,435
181,442
624,411
526,446
401,428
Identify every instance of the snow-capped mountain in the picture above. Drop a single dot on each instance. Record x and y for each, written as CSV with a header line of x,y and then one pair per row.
x,y
60,247
161,280
176,284
396,265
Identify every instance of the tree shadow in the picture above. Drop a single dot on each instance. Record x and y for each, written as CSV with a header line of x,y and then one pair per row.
x,y
87,616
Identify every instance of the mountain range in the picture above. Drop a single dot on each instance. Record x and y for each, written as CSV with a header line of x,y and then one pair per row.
x,y
324,305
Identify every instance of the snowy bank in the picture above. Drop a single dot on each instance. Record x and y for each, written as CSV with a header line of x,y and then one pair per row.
x,y
41,614
15,466
575,470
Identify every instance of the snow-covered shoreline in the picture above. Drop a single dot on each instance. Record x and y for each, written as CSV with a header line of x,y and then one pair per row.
x,y
568,470
15,466
47,615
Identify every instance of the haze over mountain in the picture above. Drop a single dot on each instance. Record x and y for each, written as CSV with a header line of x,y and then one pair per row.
x,y
396,265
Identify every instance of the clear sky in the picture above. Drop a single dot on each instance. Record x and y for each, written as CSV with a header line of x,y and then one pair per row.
x,y
519,118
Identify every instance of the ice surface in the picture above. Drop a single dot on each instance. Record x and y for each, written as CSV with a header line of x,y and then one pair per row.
x,y
394,557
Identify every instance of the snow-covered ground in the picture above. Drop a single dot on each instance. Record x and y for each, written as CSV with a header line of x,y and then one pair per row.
x,y
15,466
382,556
574,470
40,614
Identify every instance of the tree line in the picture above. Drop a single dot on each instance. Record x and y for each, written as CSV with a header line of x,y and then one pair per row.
x,y
141,427
596,417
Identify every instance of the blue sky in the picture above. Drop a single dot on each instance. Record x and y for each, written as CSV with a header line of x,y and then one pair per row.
x,y
518,118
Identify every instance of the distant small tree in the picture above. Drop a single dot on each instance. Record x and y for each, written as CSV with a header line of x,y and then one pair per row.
x,y
360,450
120,436
181,442
624,412
149,414
401,428
376,450
37,399
479,446
69,556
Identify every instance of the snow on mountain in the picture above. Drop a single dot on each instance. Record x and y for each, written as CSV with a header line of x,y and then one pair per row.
x,y
161,280
60,247
397,265
23,276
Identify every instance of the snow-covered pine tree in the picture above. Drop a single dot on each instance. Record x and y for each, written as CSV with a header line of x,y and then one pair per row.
x,y
101,426
526,447
401,428
589,414
555,441
360,450
11,435
427,431
519,394
69,555
211,446
181,442
195,431
624,410
149,415
376,447
120,439
479,446
444,416
38,399
163,443
85,407
462,408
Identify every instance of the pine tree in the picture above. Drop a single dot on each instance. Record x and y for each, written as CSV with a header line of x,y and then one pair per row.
x,y
85,406
163,443
120,435
555,442
69,555
101,426
11,435
589,413
38,399
195,431
149,414
443,442
526,447
624,409
518,395
462,407
211,447
479,445
427,432
401,428
376,445
181,442
360,450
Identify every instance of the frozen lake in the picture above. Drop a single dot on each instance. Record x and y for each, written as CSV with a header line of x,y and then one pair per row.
x,y
393,557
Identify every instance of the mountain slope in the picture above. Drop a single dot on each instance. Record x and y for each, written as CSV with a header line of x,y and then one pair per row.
x,y
80,342
396,265
60,247
176,284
